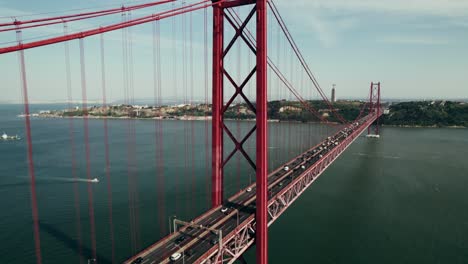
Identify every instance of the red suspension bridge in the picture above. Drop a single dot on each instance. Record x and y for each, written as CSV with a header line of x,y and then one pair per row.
x,y
254,60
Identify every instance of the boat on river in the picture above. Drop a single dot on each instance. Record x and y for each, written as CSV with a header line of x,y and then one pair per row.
x,y
6,137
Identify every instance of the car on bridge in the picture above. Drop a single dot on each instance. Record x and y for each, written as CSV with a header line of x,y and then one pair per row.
x,y
180,239
175,256
214,241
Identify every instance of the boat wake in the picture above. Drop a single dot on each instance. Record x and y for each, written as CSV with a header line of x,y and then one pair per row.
x,y
375,156
62,179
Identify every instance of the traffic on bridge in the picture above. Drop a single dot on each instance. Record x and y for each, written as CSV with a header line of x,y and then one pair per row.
x,y
223,233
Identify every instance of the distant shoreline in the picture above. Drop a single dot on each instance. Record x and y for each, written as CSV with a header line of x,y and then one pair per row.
x,y
182,118
435,114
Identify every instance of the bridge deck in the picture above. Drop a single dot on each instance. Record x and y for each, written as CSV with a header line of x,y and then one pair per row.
x,y
237,222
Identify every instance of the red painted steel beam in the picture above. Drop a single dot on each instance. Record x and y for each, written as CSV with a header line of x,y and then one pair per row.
x,y
235,3
262,136
217,108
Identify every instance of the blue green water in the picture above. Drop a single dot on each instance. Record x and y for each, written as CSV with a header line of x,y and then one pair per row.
x,y
400,199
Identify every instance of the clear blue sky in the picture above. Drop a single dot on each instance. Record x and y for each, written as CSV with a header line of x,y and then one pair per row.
x,y
416,48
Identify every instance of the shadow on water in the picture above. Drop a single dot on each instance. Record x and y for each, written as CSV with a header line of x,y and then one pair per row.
x,y
71,243
360,188
366,169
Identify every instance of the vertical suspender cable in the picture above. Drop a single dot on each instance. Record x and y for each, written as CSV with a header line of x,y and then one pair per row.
x,y
126,102
161,130
159,143
184,89
278,93
32,176
192,140
87,150
76,193
106,148
174,79
207,144
133,151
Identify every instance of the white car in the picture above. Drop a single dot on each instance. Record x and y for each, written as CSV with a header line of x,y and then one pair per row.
x,y
286,168
224,209
175,256
249,189
303,167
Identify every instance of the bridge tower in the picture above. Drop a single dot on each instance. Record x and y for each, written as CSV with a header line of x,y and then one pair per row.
x,y
259,10
374,106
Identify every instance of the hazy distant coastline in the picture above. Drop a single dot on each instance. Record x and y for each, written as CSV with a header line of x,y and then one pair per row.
x,y
406,114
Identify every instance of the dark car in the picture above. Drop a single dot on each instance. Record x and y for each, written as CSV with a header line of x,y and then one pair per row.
x,y
138,260
180,239
214,241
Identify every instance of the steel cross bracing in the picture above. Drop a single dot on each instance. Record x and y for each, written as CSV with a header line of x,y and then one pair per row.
x,y
219,108
238,225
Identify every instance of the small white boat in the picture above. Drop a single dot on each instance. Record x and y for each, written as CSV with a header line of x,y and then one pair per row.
x,y
95,180
7,137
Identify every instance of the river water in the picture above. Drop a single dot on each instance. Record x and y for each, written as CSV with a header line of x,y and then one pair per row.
x,y
400,199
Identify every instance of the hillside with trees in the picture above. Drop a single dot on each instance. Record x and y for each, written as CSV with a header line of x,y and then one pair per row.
x,y
428,113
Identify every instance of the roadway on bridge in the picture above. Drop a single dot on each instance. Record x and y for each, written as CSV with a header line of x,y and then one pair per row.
x,y
193,242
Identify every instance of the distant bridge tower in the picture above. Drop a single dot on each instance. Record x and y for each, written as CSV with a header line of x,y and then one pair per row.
x,y
333,95
374,106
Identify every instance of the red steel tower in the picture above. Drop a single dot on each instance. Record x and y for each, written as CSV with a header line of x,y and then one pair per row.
x,y
374,106
259,8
